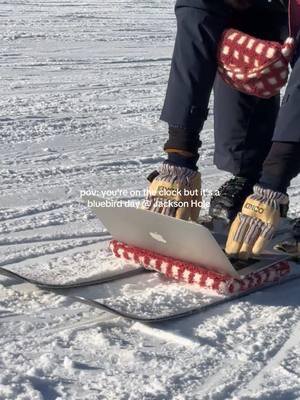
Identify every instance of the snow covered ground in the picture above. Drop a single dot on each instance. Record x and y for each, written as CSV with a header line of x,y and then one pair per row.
x,y
82,84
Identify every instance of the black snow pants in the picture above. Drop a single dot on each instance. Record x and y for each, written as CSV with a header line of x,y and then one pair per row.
x,y
244,125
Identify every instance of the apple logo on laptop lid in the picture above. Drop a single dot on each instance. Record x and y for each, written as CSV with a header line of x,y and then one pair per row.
x,y
158,237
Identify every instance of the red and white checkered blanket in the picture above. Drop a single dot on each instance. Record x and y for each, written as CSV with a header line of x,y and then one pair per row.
x,y
195,274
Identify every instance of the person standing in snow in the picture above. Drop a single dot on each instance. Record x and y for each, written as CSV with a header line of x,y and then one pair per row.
x,y
255,139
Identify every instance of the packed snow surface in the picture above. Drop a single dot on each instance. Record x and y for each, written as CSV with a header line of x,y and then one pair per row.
x,y
82,85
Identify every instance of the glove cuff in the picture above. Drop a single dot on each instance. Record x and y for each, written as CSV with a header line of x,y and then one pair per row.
x,y
171,171
269,194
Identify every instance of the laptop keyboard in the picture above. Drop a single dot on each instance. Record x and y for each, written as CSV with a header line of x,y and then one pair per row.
x,y
241,264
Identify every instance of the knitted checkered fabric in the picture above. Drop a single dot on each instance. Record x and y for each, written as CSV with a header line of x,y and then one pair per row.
x,y
195,274
254,66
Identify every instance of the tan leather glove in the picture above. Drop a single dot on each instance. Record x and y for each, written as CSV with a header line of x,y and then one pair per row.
x,y
254,226
176,192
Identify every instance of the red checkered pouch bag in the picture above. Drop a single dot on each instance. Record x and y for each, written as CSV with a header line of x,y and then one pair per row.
x,y
254,66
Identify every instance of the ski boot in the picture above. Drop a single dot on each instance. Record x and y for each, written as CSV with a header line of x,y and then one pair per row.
x,y
291,246
225,205
231,195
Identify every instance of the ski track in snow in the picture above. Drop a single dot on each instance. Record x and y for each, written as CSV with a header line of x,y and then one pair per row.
x,y
82,85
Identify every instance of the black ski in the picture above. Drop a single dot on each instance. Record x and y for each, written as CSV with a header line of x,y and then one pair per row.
x,y
79,284
59,289
183,313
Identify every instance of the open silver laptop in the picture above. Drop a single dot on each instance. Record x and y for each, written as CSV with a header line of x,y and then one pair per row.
x,y
182,240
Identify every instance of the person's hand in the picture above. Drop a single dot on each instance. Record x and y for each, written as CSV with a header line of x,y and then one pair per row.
x,y
254,226
175,191
239,4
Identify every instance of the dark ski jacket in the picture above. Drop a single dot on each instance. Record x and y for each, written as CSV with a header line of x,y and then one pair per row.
x,y
279,5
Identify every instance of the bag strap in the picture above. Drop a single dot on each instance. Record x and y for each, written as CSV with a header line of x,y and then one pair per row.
x,y
294,17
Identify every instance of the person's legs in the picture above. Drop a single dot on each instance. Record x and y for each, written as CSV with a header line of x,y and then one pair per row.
x,y
288,123
283,161
254,226
243,128
281,166
243,124
200,24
